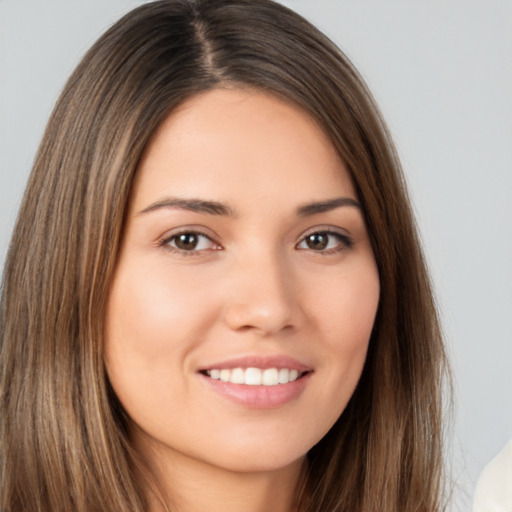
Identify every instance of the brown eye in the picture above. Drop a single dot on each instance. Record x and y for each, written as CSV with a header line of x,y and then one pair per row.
x,y
325,242
317,241
190,241
186,241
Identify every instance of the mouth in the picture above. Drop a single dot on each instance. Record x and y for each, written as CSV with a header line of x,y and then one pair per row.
x,y
253,376
261,382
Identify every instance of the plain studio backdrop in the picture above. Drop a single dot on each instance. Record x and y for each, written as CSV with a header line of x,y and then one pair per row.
x,y
441,72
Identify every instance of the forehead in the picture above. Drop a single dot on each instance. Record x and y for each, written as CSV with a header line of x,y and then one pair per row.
x,y
242,142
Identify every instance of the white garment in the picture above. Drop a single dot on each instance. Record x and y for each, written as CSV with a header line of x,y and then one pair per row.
x,y
494,488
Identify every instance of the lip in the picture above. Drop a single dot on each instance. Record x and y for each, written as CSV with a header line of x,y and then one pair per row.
x,y
259,397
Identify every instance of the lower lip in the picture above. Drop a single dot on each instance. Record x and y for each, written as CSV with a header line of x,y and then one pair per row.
x,y
260,397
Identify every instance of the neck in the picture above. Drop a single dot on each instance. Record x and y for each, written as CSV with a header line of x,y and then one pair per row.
x,y
191,485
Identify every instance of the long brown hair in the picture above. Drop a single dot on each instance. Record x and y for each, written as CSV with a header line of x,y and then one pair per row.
x,y
64,444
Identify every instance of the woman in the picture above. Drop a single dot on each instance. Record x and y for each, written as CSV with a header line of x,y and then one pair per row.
x,y
214,295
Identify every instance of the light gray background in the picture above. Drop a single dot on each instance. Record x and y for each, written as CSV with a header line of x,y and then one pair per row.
x,y
442,74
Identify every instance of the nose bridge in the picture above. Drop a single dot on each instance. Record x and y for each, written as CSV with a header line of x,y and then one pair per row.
x,y
261,295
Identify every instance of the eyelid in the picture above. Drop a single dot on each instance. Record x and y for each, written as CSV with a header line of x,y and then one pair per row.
x,y
325,228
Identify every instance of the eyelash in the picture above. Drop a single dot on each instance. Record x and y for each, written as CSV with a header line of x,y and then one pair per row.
x,y
344,242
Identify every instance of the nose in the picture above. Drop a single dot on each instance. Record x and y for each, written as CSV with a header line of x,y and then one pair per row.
x,y
261,297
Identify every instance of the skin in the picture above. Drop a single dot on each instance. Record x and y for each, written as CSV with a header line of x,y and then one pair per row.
x,y
253,285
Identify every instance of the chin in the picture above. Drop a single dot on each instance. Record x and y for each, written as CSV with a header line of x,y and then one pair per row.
x,y
260,453
260,462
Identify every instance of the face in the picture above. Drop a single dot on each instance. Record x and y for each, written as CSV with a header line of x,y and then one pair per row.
x,y
246,287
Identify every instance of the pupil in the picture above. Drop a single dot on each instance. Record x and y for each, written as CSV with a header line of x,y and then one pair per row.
x,y
317,241
186,241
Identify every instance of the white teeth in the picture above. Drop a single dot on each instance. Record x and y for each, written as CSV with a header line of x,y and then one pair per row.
x,y
215,374
237,376
255,376
284,375
270,377
225,375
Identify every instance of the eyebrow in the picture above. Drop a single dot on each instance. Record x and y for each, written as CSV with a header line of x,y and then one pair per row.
x,y
325,206
216,208
193,205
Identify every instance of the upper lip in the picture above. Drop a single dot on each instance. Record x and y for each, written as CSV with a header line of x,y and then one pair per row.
x,y
259,361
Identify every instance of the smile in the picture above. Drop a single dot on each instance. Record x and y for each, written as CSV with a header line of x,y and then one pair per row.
x,y
255,376
258,381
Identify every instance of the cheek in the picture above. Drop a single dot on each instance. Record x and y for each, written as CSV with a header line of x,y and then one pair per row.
x,y
347,305
151,328
152,312
345,315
